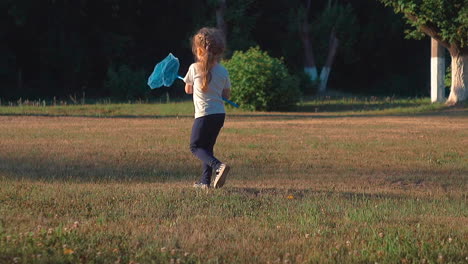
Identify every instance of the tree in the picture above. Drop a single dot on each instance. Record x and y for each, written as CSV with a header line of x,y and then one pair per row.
x,y
336,21
220,13
235,19
447,22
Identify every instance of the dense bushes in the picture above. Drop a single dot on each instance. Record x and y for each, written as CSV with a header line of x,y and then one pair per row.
x,y
261,82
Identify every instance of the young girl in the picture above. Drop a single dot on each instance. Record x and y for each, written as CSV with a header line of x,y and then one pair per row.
x,y
208,81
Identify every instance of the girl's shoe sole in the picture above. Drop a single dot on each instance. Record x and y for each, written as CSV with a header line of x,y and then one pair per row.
x,y
221,177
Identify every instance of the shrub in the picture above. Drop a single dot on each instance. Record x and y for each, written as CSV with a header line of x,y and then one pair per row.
x,y
260,82
125,83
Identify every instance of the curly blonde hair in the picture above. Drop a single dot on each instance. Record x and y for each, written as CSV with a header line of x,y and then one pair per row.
x,y
211,42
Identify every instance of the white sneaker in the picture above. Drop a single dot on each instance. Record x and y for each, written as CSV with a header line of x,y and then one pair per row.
x,y
221,174
200,185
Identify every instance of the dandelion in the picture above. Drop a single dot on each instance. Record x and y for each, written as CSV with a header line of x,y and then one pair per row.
x,y
290,197
450,240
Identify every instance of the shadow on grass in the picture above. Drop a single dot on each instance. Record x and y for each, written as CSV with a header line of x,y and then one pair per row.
x,y
48,170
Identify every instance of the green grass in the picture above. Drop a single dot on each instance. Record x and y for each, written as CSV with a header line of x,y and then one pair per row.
x,y
148,222
103,110
336,187
337,106
373,105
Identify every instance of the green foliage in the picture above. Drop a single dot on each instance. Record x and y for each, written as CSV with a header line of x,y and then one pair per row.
x,y
125,83
241,24
448,77
240,18
261,82
341,20
448,18
306,85
70,52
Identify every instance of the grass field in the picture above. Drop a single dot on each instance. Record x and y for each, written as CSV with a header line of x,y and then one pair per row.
x,y
349,182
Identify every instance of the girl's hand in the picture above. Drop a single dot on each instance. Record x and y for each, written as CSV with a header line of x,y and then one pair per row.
x,y
189,89
226,93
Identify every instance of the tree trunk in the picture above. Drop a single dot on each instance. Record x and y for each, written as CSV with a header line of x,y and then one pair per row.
x,y
325,72
458,91
437,71
220,13
309,63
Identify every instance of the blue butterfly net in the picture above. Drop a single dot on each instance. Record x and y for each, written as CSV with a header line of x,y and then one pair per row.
x,y
165,72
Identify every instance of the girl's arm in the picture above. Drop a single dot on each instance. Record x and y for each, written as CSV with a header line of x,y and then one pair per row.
x,y
226,93
189,89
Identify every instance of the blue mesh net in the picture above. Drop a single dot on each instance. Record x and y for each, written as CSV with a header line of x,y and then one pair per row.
x,y
164,73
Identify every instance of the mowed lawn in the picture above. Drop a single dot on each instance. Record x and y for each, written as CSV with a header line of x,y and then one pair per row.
x,y
304,188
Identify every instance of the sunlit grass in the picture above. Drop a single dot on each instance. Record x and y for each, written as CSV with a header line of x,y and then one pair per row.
x,y
323,106
304,188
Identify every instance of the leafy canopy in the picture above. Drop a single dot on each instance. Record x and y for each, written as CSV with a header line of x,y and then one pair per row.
x,y
444,20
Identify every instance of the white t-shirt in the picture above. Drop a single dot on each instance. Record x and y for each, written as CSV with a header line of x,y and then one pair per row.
x,y
209,102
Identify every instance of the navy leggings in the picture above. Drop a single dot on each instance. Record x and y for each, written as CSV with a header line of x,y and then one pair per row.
x,y
205,130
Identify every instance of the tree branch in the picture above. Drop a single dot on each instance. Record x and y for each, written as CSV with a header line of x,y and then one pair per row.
x,y
429,30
